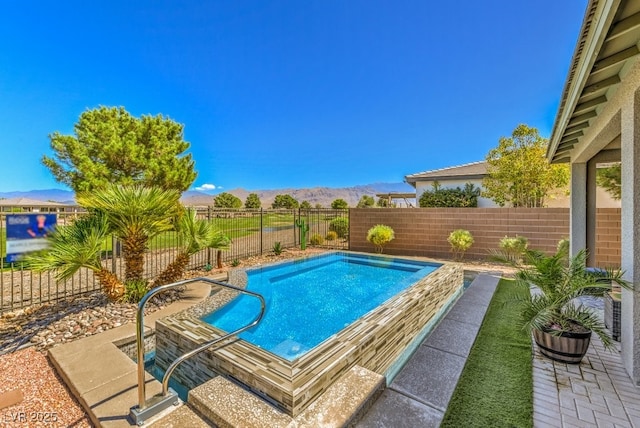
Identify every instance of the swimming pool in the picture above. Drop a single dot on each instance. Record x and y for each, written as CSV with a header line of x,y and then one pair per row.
x,y
308,302
376,340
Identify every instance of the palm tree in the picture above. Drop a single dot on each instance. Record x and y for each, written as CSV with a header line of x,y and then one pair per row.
x,y
135,214
196,235
79,246
561,283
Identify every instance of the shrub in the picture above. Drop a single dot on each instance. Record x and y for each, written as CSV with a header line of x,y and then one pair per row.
x,y
339,204
450,198
340,226
513,248
460,240
134,290
331,236
316,239
277,248
235,263
380,235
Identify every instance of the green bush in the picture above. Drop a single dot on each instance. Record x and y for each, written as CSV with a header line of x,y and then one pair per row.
x,y
513,248
340,226
331,236
134,290
235,263
316,239
277,248
380,235
460,240
450,198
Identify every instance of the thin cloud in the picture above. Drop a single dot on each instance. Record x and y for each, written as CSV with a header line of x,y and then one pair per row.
x,y
206,187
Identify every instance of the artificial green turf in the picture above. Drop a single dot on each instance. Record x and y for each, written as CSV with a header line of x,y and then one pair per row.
x,y
496,385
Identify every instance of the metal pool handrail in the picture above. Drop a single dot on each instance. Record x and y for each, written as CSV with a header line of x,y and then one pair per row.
x,y
142,402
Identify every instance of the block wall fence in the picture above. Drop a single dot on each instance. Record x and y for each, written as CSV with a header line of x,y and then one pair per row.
x,y
424,231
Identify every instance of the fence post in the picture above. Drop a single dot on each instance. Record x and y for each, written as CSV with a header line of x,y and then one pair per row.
x,y
295,235
209,250
261,231
114,253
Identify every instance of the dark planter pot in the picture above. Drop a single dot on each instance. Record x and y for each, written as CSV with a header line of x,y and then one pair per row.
x,y
567,348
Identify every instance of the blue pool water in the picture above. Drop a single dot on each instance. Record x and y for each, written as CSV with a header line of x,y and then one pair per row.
x,y
310,300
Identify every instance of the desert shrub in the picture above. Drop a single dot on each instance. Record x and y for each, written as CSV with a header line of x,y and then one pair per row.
x,y
513,248
316,239
331,236
277,248
460,240
235,263
340,226
380,235
134,290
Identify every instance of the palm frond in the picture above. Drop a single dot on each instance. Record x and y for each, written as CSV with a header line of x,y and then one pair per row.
x,y
134,210
73,247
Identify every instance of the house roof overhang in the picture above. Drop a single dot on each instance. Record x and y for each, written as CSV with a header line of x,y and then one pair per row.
x,y
469,171
606,49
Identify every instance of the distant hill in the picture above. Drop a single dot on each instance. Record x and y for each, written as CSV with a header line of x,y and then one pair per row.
x,y
52,195
316,195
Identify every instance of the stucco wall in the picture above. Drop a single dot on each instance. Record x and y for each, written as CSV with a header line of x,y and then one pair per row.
x,y
424,231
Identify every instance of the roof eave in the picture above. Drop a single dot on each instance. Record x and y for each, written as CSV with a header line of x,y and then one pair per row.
x,y
582,62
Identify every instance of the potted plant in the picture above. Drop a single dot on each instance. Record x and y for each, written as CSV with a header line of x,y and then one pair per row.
x,y
560,323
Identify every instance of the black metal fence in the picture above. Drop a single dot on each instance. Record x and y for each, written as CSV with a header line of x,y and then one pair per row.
x,y
252,233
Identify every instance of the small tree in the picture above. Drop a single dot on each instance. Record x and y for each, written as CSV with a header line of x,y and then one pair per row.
x,y
284,201
226,200
460,241
252,201
112,147
610,179
339,204
366,201
382,202
518,171
380,235
305,205
340,226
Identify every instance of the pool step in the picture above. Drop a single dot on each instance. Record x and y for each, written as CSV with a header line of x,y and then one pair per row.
x,y
228,405
182,417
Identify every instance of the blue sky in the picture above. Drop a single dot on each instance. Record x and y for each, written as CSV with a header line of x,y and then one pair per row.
x,y
287,94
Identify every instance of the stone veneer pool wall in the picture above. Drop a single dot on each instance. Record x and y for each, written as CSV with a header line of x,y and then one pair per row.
x,y
374,342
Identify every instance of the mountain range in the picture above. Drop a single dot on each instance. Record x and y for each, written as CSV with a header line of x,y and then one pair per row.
x,y
315,195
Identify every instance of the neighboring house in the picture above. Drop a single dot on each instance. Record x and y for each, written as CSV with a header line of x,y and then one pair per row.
x,y
598,121
450,178
33,206
475,172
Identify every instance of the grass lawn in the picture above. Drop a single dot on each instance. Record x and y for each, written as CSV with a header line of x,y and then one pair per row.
x,y
496,385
